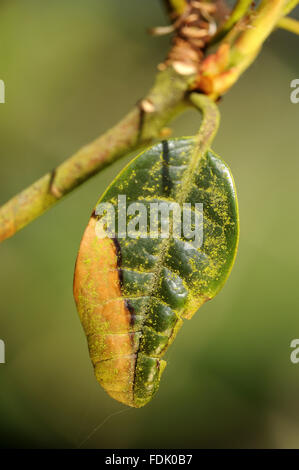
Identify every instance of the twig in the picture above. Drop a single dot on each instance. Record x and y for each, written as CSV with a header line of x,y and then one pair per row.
x,y
240,9
213,74
237,50
290,24
139,127
289,6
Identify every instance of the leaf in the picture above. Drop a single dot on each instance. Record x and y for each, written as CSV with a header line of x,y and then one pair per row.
x,y
134,294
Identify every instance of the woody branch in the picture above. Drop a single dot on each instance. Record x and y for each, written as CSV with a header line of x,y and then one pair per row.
x,y
237,38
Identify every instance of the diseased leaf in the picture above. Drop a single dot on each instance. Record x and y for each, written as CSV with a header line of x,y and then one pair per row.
x,y
134,294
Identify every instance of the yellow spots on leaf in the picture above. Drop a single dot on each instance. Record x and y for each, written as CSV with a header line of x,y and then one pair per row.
x,y
113,340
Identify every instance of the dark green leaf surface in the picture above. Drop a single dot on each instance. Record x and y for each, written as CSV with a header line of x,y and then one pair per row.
x,y
163,281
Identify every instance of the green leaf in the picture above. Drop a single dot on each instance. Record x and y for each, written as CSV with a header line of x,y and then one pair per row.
x,y
134,294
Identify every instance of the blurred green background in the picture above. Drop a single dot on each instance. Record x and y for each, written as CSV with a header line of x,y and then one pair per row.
x,y
72,69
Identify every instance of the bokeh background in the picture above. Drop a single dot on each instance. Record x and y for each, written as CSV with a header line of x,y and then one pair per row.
x,y
72,69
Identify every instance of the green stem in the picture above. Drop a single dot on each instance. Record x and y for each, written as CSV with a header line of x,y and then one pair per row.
x,y
145,121
207,131
210,120
290,5
264,21
240,10
139,127
289,24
